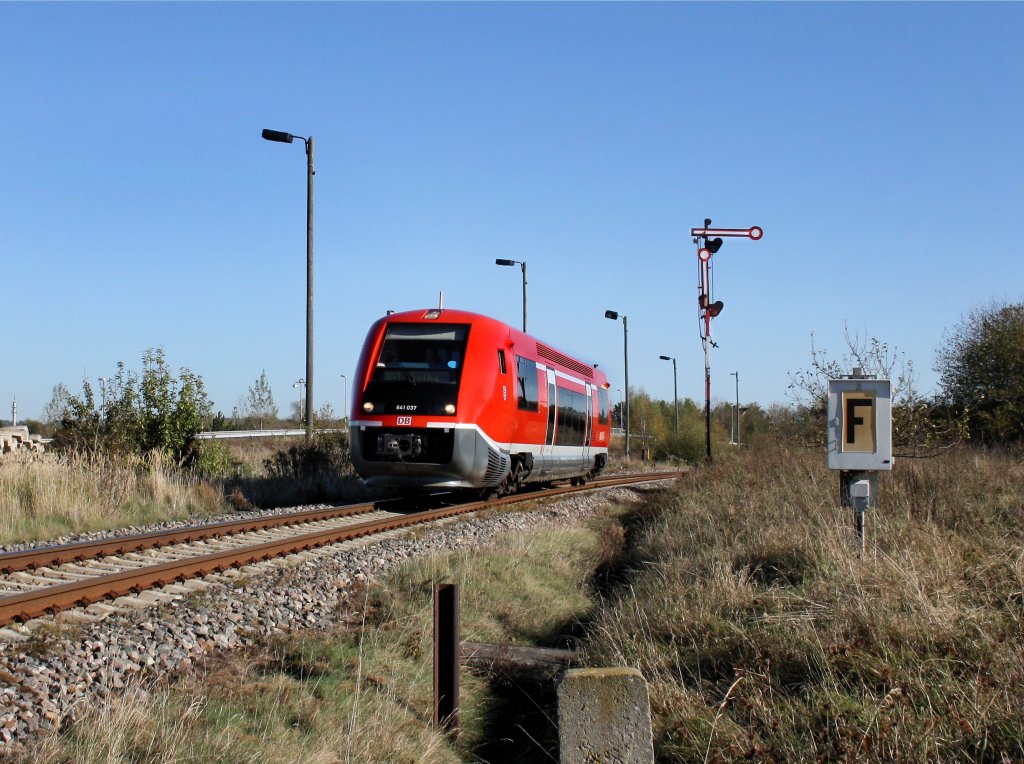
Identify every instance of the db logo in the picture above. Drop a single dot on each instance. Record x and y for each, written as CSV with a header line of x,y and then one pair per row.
x,y
405,420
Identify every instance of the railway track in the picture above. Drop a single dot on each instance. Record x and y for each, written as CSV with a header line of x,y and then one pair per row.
x,y
47,580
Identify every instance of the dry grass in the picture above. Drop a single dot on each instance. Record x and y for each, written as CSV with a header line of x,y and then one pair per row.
x,y
78,493
765,634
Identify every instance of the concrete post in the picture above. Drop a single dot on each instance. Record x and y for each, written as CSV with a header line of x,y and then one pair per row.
x,y
604,714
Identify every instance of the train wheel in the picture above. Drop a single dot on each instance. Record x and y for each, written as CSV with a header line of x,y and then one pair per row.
x,y
513,479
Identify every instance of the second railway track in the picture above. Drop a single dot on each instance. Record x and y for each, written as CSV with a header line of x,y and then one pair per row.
x,y
48,580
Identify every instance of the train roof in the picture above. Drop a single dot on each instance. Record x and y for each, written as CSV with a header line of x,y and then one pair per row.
x,y
544,351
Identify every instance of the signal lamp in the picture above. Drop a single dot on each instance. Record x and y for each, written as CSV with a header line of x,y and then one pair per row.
x,y
367,407
702,301
715,308
449,408
713,244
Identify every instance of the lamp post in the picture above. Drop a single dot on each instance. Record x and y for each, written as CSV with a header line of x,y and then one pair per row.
x,y
736,410
280,137
344,410
611,314
521,264
299,383
675,389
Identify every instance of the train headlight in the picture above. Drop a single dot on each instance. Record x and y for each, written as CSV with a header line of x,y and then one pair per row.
x,y
367,407
449,408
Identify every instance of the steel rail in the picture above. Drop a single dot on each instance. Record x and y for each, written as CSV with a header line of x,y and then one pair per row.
x,y
38,557
49,600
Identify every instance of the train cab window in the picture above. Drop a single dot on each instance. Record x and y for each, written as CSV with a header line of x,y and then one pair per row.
x,y
526,384
501,361
602,406
418,369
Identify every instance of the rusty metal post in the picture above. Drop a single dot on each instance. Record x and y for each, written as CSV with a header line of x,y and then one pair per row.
x,y
446,657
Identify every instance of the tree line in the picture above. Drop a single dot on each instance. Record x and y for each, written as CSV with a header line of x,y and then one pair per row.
x,y
980,363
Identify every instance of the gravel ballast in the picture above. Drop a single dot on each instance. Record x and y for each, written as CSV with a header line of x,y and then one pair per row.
x,y
67,665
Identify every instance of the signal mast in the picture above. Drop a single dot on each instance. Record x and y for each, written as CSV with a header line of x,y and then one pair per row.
x,y
709,241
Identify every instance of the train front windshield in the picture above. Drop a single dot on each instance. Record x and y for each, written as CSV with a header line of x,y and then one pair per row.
x,y
418,370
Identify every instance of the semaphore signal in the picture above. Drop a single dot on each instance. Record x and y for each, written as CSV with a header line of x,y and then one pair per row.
x,y
709,241
754,232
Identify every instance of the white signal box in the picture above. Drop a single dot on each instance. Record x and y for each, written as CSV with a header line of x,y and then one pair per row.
x,y
859,424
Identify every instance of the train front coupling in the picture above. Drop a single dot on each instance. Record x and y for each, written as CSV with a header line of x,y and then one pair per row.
x,y
399,445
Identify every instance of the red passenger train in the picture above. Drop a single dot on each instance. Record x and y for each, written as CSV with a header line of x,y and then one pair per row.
x,y
447,399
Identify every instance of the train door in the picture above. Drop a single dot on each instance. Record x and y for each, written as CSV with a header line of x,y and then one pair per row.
x,y
504,389
552,408
589,422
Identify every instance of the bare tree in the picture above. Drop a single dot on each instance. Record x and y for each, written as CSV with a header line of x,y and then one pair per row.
x,y
59,405
260,402
921,426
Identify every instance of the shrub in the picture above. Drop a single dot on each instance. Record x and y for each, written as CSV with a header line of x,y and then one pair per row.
x,y
982,372
159,412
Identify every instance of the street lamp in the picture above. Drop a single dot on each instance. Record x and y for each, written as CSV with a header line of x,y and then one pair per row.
x,y
675,393
736,410
280,137
625,353
299,383
344,410
521,264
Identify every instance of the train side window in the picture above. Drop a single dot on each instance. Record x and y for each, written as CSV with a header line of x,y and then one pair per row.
x,y
501,361
526,384
572,417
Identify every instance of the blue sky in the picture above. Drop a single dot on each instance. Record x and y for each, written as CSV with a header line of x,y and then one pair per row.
x,y
878,146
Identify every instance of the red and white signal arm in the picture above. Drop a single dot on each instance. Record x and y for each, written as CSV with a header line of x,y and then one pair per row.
x,y
859,424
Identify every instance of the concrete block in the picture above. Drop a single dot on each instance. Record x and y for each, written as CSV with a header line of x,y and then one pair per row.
x,y
604,715
102,609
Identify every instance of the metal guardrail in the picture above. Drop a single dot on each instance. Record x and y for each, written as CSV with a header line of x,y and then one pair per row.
x,y
219,434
